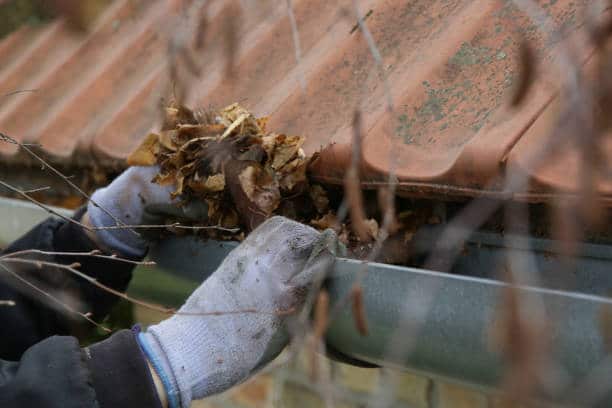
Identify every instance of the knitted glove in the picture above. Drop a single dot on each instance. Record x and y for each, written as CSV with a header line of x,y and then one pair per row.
x,y
270,273
134,200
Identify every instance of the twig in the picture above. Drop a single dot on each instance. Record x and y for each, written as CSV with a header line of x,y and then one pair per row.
x,y
71,268
232,15
151,306
65,178
296,45
356,26
37,190
352,188
7,303
375,54
359,310
95,254
321,315
19,91
112,227
43,206
54,299
174,225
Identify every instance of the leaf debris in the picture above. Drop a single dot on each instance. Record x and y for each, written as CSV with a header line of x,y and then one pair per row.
x,y
228,160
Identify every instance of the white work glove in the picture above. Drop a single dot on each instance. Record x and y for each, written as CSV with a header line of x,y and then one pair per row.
x,y
133,199
271,272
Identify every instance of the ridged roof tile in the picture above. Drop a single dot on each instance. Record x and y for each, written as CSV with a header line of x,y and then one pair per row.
x,y
451,67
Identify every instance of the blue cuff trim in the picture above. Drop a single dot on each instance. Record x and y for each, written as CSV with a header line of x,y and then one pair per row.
x,y
173,401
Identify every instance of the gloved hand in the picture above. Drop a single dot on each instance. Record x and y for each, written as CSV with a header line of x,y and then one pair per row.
x,y
135,200
271,272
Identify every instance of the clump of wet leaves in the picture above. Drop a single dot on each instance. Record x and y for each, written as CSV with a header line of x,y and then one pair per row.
x,y
228,160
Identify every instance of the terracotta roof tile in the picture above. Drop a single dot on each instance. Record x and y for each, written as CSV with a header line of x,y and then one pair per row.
x,y
451,67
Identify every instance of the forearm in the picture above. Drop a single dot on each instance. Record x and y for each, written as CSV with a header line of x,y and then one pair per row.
x,y
34,315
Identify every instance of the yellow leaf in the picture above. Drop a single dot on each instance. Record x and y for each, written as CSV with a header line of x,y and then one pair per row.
x,y
145,154
210,184
262,123
215,183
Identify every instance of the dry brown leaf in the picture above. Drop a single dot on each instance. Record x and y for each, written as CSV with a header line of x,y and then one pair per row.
x,y
179,186
146,153
268,143
319,198
215,183
263,123
295,178
226,159
166,179
372,227
329,220
260,189
167,139
234,125
286,150
177,115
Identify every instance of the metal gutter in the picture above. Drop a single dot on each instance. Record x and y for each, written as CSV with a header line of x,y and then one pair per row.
x,y
19,216
454,341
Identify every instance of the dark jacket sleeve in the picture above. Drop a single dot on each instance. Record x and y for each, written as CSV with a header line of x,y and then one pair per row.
x,y
56,373
39,368
36,316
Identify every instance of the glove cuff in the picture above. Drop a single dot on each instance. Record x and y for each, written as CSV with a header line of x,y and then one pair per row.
x,y
161,365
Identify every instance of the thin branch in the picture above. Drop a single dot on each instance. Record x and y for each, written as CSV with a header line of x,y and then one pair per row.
x,y
41,205
7,303
54,299
296,45
37,190
93,281
151,306
95,254
65,178
375,54
174,225
113,227
19,91
352,185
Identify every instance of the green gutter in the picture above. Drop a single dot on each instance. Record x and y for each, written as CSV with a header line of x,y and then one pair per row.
x,y
453,341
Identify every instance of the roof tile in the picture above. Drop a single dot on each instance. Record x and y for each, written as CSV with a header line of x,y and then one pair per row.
x,y
450,67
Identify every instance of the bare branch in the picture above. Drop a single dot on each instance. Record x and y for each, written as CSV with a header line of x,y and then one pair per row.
x,y
17,92
296,44
359,310
151,306
37,190
95,254
113,227
7,303
375,54
53,298
63,177
174,225
43,206
352,187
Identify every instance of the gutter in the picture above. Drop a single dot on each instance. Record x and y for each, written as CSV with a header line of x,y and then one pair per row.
x,y
19,216
454,342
